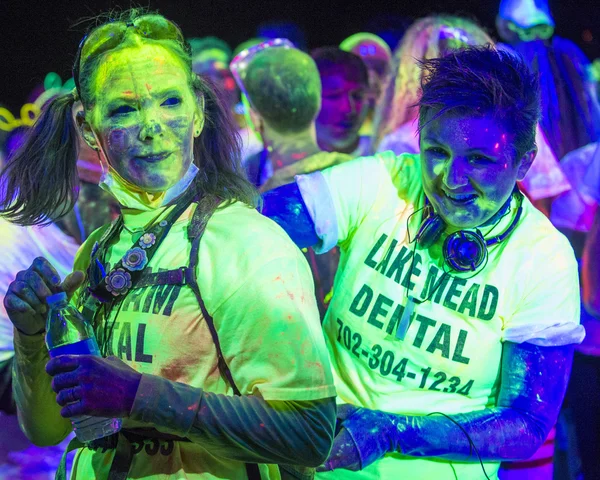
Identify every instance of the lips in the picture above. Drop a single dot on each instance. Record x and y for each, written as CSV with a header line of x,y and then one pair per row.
x,y
154,157
460,198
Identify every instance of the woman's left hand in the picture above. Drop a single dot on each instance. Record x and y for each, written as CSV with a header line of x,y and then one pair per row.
x,y
361,440
91,385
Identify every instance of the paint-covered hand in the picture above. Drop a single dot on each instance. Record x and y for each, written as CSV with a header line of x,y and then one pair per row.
x,y
25,300
363,437
91,385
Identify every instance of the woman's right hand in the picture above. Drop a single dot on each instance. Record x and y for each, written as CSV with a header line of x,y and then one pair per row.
x,y
25,300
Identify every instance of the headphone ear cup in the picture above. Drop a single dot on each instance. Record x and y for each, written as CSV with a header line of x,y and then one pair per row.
x,y
465,250
430,231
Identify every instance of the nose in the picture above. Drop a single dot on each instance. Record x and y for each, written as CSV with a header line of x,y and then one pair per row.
x,y
455,173
151,127
348,106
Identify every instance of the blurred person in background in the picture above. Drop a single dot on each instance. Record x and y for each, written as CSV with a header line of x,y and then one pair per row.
x,y
283,88
344,101
377,56
576,213
570,114
583,394
272,29
210,59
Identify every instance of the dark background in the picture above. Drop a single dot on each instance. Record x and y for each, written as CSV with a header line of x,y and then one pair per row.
x,y
39,36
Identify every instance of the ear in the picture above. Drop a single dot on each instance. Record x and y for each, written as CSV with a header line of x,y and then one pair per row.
x,y
199,115
86,131
525,163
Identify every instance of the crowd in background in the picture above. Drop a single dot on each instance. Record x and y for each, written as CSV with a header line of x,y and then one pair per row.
x,y
362,102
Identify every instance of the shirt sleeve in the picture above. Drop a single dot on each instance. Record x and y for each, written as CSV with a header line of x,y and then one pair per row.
x,y
246,428
339,198
271,335
548,314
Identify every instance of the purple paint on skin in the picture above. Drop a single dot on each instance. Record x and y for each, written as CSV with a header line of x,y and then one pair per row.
x,y
533,383
343,111
118,141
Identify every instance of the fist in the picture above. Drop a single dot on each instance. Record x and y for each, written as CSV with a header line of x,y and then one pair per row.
x,y
90,385
25,300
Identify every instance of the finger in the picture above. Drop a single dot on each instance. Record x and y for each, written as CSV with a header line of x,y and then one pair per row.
x,y
74,409
72,282
47,272
68,395
13,303
37,284
62,363
65,381
25,293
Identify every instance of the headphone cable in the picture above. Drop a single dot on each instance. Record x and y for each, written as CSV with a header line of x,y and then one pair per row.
x,y
472,446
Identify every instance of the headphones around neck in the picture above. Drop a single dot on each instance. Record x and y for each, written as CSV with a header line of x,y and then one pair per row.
x,y
464,250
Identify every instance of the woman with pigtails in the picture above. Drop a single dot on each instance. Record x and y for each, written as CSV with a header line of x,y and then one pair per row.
x,y
204,310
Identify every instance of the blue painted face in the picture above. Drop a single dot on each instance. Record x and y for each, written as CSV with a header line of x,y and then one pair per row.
x,y
469,168
344,108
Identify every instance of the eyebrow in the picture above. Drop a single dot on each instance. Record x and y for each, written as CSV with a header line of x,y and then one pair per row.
x,y
482,149
129,97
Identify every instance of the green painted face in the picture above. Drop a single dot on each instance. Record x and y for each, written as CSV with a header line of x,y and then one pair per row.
x,y
146,116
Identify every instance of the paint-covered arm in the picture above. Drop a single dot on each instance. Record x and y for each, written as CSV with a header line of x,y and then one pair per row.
x,y
324,208
591,269
533,384
39,414
246,428
286,207
269,331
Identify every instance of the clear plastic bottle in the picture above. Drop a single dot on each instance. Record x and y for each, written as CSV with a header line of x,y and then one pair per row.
x,y
68,333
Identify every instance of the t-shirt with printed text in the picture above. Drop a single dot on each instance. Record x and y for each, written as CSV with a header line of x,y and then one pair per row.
x,y
258,288
449,360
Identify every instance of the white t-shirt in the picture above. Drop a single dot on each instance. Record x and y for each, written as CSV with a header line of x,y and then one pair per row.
x,y
576,208
257,287
449,361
